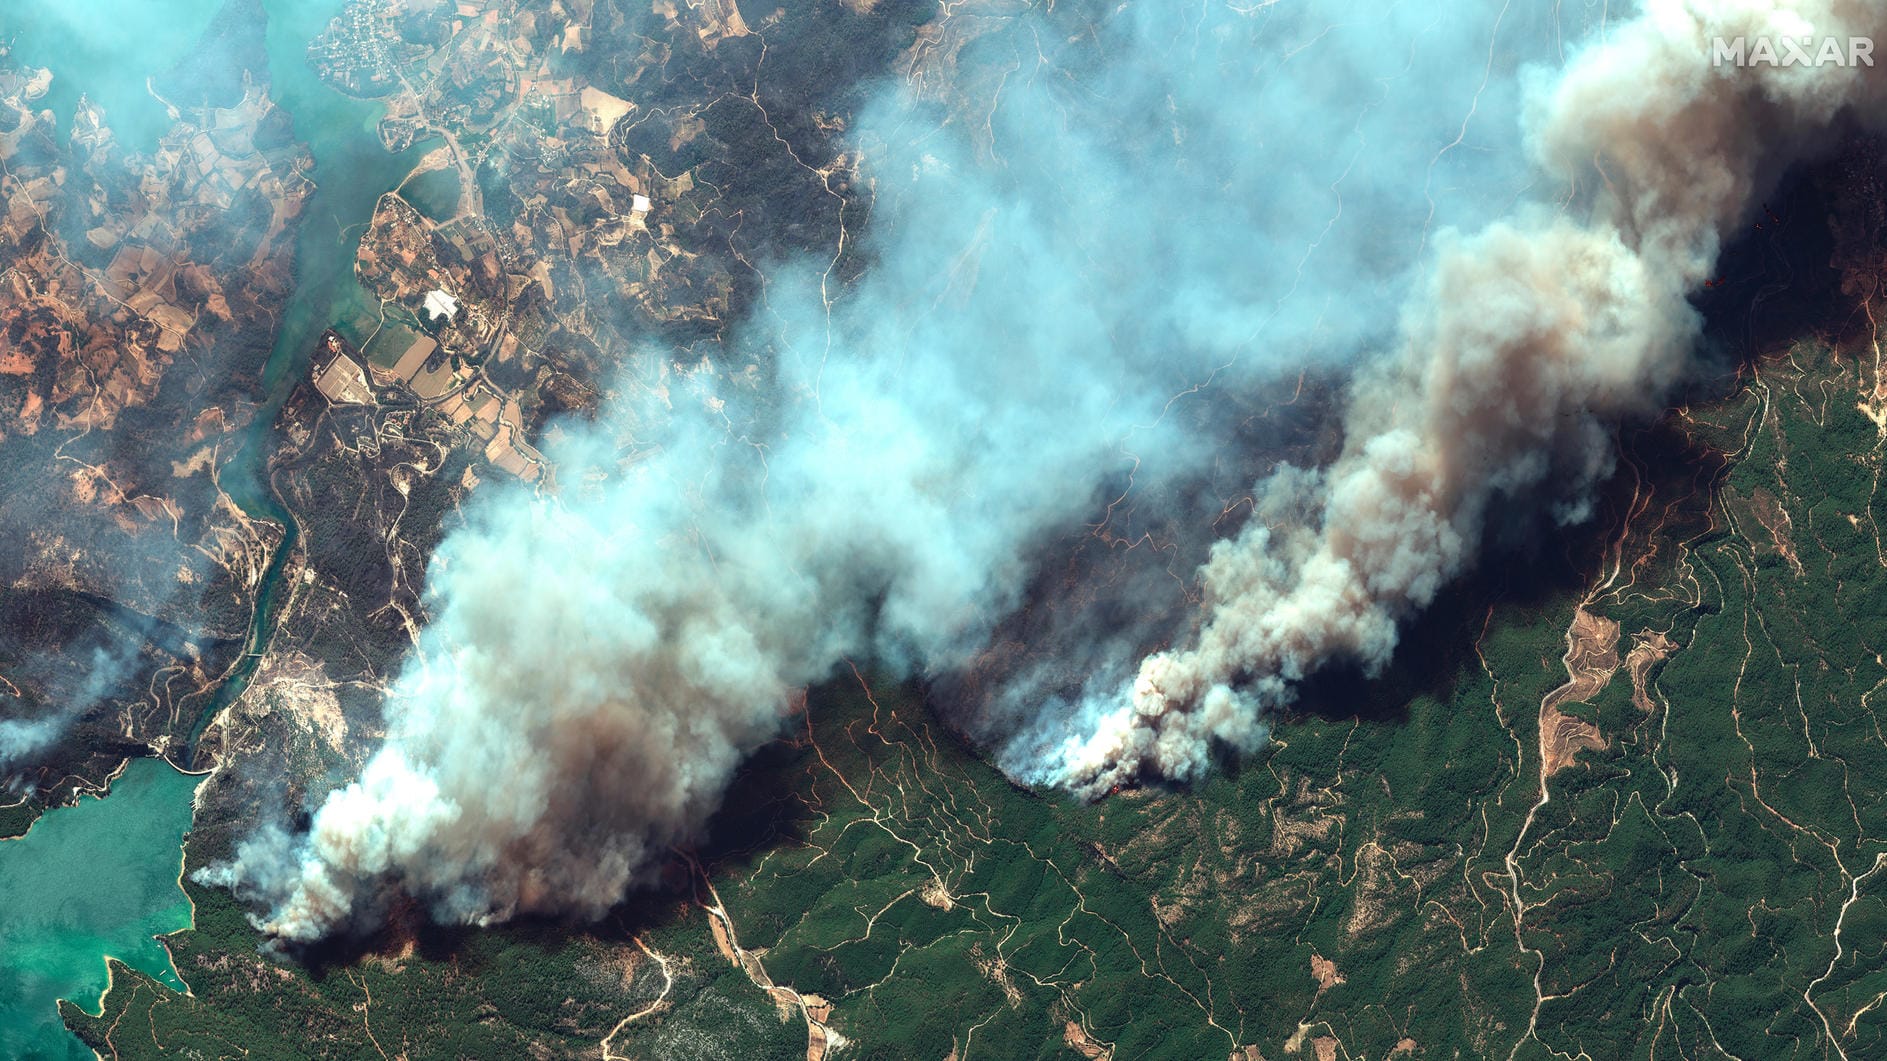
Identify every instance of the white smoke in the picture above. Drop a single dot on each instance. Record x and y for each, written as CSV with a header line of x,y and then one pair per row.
x,y
66,697
1529,342
1211,200
20,739
1171,217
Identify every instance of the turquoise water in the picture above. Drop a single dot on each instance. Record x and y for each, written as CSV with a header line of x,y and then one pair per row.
x,y
106,49
96,879
101,878
351,172
434,193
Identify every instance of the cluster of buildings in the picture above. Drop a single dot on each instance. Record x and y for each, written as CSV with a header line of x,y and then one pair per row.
x,y
356,54
585,244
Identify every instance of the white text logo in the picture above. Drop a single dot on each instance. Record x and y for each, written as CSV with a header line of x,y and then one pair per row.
x,y
1792,51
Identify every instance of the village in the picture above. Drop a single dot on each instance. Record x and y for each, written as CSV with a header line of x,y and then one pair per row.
x,y
528,244
432,350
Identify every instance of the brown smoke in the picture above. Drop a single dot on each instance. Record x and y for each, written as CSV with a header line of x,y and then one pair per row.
x,y
1530,340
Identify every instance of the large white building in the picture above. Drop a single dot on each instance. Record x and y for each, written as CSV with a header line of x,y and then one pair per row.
x,y
441,304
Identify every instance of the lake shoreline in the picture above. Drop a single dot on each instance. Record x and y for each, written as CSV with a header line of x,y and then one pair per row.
x,y
58,936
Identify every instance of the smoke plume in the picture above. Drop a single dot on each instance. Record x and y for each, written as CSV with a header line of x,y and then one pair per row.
x,y
1527,343
70,695
1063,307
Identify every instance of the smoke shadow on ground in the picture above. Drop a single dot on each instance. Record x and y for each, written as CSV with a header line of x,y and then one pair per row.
x,y
1777,281
757,814
1438,648
1777,284
410,932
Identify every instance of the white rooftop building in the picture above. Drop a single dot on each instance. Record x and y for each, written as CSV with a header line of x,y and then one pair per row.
x,y
441,304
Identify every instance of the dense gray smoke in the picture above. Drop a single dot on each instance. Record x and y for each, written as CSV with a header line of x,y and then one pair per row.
x,y
1529,340
1188,206
1195,204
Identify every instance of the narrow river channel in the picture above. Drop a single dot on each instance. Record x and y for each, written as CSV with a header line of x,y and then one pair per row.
x,y
351,172
101,878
